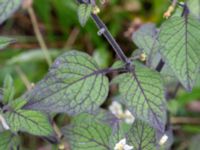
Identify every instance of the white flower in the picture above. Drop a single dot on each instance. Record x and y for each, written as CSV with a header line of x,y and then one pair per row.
x,y
121,145
128,117
116,109
4,123
163,139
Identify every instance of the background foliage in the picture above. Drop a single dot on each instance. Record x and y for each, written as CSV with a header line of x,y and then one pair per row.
x,y
59,24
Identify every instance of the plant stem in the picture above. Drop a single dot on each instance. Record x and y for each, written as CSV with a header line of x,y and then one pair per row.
x,y
99,23
110,38
39,35
176,90
23,77
160,65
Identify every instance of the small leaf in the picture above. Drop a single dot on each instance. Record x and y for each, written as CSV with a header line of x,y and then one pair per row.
x,y
17,104
143,94
84,11
146,40
74,85
7,8
8,141
87,133
4,41
180,48
8,89
33,122
118,64
142,136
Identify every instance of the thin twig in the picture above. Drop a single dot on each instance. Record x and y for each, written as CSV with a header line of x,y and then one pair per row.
x,y
24,78
101,26
72,37
110,38
185,120
39,35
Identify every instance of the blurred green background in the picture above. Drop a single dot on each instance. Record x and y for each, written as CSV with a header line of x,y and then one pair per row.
x,y
61,30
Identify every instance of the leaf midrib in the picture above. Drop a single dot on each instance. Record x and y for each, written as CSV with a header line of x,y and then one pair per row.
x,y
145,97
33,102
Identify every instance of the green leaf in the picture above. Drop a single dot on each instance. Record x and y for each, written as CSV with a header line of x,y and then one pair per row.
x,y
17,104
119,132
179,38
143,94
87,133
8,141
142,136
118,64
102,56
7,8
194,7
146,40
74,85
84,11
33,122
8,90
4,41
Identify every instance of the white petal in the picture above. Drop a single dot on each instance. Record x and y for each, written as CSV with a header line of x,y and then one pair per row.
x,y
116,109
163,139
127,147
4,123
129,118
118,146
123,141
116,105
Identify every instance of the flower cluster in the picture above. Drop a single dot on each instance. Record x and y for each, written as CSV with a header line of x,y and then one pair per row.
x,y
117,110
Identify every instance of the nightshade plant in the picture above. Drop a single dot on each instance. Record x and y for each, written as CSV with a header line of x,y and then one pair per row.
x,y
77,86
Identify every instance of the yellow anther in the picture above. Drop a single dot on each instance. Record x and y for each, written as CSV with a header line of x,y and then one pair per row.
x,y
143,57
61,146
121,116
96,10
